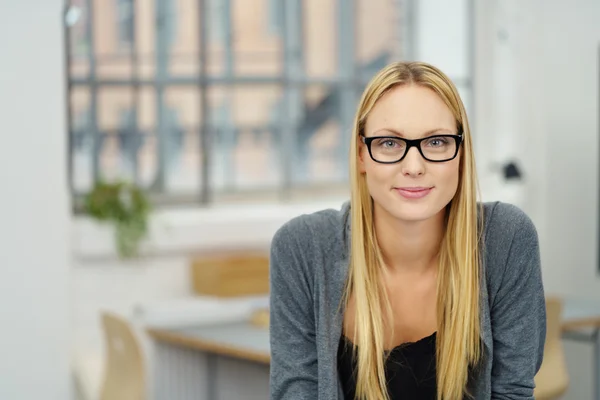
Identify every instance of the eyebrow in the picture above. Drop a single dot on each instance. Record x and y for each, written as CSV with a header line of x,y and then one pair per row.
x,y
401,134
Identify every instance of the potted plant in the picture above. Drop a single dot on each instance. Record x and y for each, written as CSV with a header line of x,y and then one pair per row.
x,y
127,207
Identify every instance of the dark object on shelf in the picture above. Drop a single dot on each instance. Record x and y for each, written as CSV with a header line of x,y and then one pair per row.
x,y
511,171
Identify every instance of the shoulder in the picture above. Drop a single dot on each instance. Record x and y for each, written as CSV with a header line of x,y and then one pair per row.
x,y
320,226
321,230
505,218
503,223
510,243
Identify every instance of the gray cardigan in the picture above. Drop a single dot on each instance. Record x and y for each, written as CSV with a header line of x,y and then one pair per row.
x,y
309,264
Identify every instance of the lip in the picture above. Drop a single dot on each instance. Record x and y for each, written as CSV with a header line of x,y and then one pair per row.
x,y
413,192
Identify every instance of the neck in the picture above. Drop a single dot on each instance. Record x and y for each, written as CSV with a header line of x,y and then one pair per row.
x,y
409,246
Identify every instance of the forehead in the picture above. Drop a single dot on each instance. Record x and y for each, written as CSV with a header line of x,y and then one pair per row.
x,y
410,110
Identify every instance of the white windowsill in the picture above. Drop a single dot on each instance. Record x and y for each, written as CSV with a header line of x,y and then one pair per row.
x,y
180,232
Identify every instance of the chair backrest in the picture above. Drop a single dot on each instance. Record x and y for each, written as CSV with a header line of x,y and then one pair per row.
x,y
124,377
554,307
552,379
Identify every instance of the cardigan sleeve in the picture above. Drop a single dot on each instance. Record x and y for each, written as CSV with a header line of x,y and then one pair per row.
x,y
293,369
518,314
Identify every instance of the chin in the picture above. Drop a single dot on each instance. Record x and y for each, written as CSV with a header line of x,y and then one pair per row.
x,y
415,211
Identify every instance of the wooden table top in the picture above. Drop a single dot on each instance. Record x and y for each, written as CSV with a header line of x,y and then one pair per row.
x,y
580,313
241,339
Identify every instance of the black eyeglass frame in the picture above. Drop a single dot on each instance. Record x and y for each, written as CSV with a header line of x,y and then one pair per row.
x,y
458,138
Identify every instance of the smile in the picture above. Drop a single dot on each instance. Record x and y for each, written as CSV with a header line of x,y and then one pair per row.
x,y
413,192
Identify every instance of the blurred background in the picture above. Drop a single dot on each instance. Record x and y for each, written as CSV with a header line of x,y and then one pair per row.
x,y
151,148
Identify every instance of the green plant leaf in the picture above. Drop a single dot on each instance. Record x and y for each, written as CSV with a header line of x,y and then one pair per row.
x,y
124,205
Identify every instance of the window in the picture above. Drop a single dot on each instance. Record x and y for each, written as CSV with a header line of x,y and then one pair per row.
x,y
275,17
204,107
218,19
170,21
76,20
125,22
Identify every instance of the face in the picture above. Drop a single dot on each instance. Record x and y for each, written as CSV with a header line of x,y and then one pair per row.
x,y
413,189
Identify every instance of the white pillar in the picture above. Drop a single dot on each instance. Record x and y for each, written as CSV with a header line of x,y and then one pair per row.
x,y
34,203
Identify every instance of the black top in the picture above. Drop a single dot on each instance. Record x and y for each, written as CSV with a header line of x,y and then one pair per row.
x,y
410,370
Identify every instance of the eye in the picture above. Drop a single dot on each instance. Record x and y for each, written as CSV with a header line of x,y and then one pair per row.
x,y
388,143
437,142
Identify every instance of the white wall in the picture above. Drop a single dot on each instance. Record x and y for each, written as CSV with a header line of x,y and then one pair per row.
x,y
34,207
510,122
537,83
571,45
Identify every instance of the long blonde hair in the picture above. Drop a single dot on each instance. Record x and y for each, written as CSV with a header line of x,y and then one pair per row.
x,y
458,344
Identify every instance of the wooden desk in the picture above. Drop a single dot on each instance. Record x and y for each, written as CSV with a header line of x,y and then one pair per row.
x,y
236,339
581,322
579,314
224,360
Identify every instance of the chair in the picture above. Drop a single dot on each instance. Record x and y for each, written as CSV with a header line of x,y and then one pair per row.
x,y
87,370
124,376
552,380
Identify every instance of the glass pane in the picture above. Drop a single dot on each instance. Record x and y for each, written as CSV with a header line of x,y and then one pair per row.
x,y
244,120
147,154
77,22
118,140
320,37
113,38
146,108
81,139
180,146
320,153
179,31
147,161
145,36
376,47
220,25
257,44
114,106
216,49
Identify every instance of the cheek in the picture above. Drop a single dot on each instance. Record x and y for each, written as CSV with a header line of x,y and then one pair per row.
x,y
379,175
450,176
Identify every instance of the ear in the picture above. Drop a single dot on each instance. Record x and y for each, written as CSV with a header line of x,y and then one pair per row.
x,y
362,153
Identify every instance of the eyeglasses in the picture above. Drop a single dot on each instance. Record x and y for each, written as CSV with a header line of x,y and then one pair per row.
x,y
392,149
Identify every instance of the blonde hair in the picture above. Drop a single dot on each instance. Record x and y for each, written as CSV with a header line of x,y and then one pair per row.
x,y
458,344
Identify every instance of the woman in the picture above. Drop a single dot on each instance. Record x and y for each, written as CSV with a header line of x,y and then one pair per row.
x,y
413,290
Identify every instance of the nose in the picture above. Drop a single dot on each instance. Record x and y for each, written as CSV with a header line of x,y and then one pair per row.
x,y
413,163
